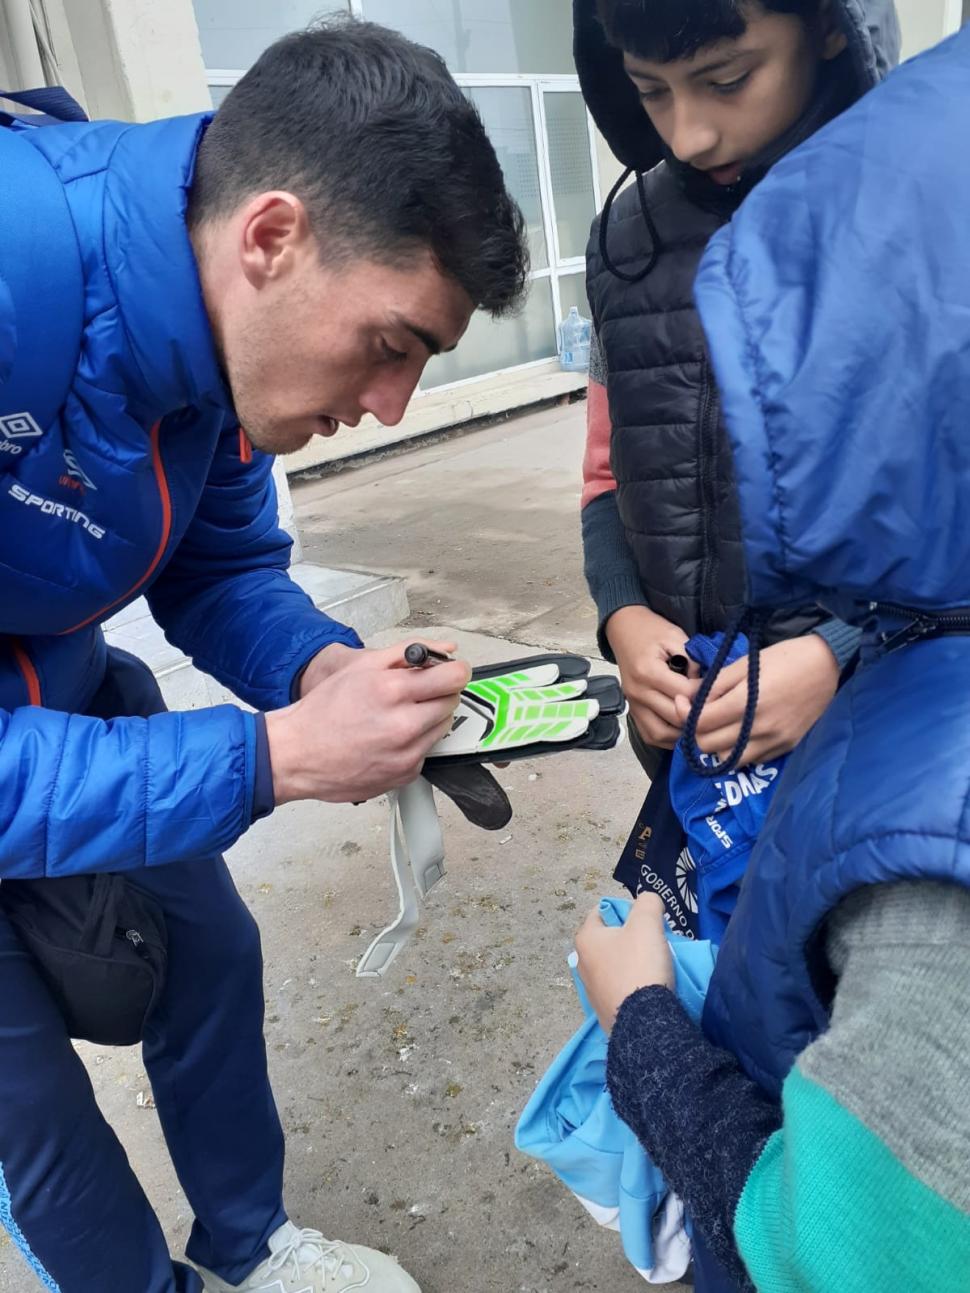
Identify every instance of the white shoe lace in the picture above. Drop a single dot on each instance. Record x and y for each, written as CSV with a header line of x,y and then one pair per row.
x,y
331,1257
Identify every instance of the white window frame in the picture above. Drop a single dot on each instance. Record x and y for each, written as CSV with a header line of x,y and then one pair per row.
x,y
953,16
539,85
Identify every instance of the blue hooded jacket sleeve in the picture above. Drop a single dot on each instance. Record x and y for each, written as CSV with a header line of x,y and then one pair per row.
x,y
80,795
226,599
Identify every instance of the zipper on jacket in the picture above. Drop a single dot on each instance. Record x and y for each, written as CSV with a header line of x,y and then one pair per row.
x,y
166,501
27,671
922,624
707,465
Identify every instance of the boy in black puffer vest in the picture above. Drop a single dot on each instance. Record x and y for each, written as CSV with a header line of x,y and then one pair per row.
x,y
697,98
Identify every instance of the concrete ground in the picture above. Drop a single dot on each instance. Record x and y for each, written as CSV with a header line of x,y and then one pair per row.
x,y
399,1097
485,528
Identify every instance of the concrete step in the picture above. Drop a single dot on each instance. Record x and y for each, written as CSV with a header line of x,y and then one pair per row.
x,y
368,603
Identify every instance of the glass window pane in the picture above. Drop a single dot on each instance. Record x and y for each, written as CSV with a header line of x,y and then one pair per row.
x,y
218,93
507,113
532,36
235,32
572,171
490,344
572,291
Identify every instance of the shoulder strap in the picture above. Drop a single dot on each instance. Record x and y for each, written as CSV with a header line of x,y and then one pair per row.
x,y
52,101
41,291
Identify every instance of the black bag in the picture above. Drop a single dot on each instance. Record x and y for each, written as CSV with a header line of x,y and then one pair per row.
x,y
656,858
100,945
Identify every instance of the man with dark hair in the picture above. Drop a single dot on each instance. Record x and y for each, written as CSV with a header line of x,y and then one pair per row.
x,y
285,267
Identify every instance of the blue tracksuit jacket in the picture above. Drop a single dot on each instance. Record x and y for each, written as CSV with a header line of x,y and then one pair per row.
x,y
134,484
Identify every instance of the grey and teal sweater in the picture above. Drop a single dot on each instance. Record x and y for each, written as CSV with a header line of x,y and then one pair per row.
x,y
859,1181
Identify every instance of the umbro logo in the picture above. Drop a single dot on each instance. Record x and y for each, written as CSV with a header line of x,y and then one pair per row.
x,y
15,427
18,426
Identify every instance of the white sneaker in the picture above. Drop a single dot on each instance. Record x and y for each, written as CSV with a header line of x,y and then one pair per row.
x,y
302,1261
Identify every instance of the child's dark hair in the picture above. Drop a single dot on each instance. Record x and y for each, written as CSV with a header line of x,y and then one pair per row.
x,y
665,30
385,150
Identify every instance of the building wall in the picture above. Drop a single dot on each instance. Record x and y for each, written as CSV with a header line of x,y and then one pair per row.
x,y
925,22
8,78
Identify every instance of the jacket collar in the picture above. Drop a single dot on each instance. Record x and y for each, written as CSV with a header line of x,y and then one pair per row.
x,y
171,360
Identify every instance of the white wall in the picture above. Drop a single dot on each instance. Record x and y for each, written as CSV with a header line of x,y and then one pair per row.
x,y
7,73
926,22
138,59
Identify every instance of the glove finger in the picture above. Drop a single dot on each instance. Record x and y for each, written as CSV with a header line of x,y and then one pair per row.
x,y
535,723
540,695
474,790
544,675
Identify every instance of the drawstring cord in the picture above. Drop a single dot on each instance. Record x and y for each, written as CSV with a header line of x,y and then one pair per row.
x,y
752,622
656,246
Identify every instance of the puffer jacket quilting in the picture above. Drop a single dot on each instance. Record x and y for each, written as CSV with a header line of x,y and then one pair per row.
x,y
138,485
669,455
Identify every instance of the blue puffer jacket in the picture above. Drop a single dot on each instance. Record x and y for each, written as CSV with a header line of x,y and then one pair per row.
x,y
136,485
854,490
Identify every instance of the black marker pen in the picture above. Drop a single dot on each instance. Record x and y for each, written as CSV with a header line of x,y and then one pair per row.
x,y
419,656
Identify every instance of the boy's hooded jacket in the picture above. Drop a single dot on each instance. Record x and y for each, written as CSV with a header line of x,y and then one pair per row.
x,y
848,427
832,1151
670,533
122,474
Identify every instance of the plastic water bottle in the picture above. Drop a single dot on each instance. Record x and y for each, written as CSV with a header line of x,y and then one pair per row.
x,y
574,339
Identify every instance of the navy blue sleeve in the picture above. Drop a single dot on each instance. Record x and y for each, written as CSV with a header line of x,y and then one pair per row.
x,y
842,639
699,1117
80,795
611,569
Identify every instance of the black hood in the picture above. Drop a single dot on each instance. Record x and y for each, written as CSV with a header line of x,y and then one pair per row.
x,y
871,26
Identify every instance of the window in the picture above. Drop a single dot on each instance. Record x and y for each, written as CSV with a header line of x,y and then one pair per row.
x,y
514,60
485,36
235,32
541,134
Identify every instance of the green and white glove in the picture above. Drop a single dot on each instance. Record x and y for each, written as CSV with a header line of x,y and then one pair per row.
x,y
524,707
517,709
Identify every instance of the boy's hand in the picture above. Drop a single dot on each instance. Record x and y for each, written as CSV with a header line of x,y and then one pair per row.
x,y
613,963
364,729
643,642
798,680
